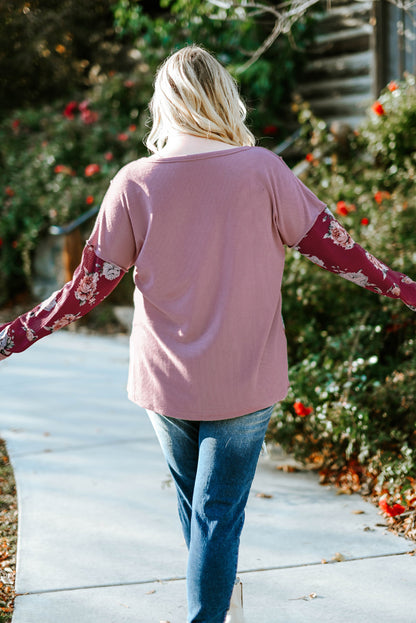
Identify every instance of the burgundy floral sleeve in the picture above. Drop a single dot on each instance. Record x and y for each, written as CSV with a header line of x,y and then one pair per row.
x,y
330,246
93,280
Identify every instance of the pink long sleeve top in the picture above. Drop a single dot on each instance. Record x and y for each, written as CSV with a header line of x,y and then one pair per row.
x,y
206,235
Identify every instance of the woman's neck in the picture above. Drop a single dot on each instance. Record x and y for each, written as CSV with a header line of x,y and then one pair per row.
x,y
182,144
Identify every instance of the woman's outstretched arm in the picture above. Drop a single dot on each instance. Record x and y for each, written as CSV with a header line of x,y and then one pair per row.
x,y
92,282
330,246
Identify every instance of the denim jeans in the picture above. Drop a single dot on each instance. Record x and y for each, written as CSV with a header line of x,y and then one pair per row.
x,y
213,465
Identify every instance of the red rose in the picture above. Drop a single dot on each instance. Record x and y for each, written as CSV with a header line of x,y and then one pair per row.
x,y
1,242
9,191
92,169
89,116
62,168
123,137
342,208
301,410
391,511
70,110
378,108
132,127
108,156
392,86
364,221
89,200
309,157
128,84
380,195
15,124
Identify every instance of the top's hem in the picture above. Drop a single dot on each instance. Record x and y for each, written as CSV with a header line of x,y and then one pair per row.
x,y
212,417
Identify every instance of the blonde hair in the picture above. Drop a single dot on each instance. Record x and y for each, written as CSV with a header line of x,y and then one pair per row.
x,y
194,93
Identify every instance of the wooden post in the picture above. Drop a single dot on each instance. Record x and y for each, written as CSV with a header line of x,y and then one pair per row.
x,y
379,44
72,252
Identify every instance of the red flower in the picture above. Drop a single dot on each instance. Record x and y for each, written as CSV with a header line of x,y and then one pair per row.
x,y
378,108
123,137
92,169
391,511
89,200
108,156
89,116
380,195
1,242
342,208
270,130
301,410
70,110
62,168
392,86
128,84
132,127
9,191
14,244
309,157
15,124
364,221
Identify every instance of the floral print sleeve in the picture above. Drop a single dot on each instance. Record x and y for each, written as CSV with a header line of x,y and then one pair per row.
x,y
92,282
330,246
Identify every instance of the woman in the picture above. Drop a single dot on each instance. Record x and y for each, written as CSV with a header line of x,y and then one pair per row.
x,y
204,220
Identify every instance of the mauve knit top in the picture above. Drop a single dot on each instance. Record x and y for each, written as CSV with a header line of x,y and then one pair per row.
x,y
206,235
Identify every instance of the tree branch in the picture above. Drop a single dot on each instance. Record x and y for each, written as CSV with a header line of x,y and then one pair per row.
x,y
285,14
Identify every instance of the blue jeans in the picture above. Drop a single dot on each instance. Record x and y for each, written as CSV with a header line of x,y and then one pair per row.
x,y
213,465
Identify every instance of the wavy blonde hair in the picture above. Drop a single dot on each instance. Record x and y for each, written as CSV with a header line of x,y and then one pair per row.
x,y
194,93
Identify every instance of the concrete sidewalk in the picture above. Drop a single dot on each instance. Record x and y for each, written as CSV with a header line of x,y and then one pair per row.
x,y
99,538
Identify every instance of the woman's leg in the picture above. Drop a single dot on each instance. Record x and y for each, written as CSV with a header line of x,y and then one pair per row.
x,y
228,455
179,443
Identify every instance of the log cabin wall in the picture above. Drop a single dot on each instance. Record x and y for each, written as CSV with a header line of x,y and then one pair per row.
x,y
395,42
360,45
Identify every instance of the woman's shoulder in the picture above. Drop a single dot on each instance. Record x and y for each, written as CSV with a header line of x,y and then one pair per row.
x,y
132,171
264,155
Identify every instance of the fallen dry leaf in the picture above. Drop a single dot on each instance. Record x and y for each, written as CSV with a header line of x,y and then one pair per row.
x,y
338,557
305,597
150,592
358,512
263,495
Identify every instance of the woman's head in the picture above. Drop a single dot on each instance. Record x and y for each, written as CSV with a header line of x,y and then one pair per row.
x,y
195,94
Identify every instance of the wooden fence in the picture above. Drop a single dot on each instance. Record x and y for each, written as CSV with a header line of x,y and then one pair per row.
x,y
360,46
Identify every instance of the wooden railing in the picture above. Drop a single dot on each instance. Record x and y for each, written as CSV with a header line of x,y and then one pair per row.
x,y
73,243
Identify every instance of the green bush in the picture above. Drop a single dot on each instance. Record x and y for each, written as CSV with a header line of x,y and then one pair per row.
x,y
352,352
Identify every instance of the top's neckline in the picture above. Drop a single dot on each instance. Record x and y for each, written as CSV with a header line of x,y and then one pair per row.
x,y
199,155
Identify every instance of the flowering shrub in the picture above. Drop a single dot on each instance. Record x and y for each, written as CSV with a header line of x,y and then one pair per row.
x,y
390,132
58,161
352,353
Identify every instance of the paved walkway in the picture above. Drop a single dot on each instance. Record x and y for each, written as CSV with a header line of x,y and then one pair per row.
x,y
99,540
